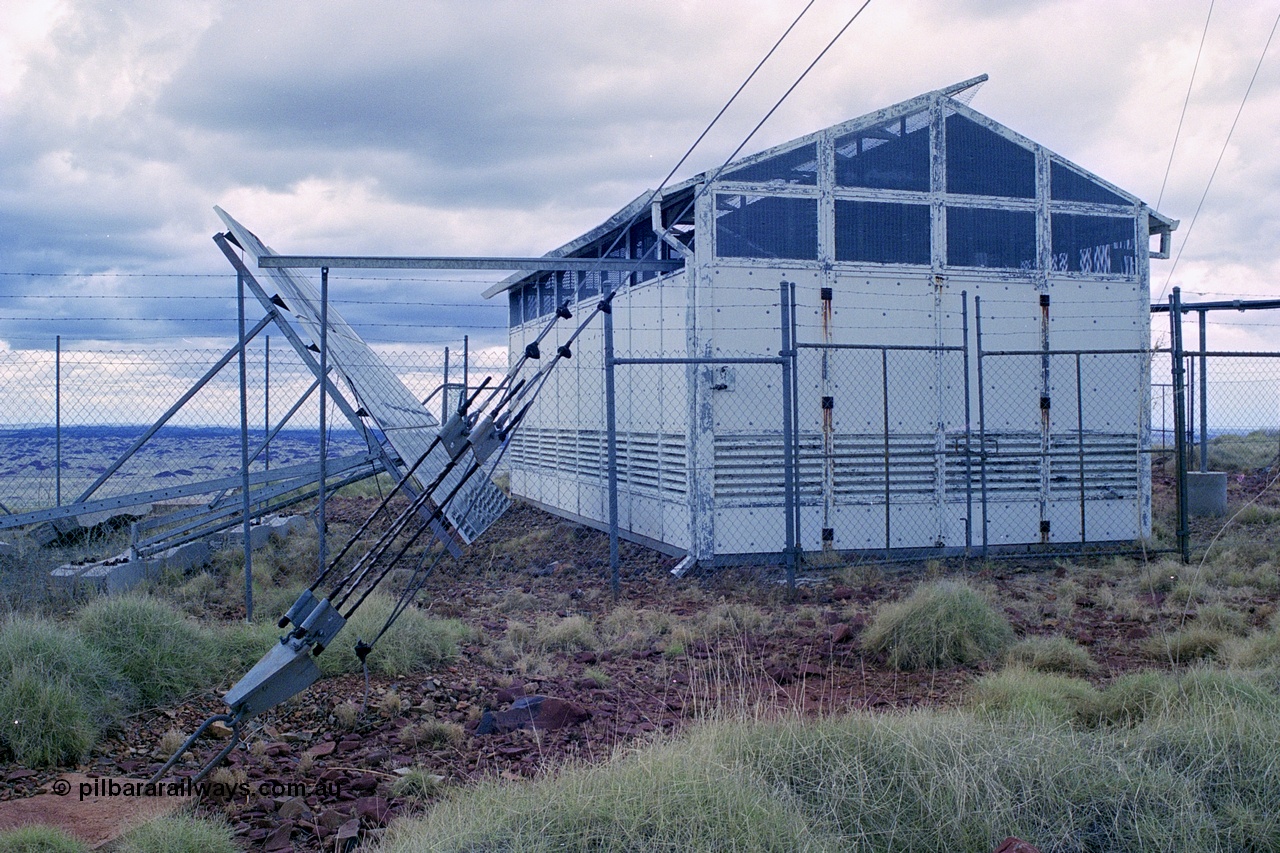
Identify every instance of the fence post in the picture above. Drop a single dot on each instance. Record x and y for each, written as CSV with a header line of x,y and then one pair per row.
x,y
611,439
982,417
57,418
1179,420
1204,395
444,389
266,404
884,390
324,404
788,448
968,433
244,451
795,411
1080,448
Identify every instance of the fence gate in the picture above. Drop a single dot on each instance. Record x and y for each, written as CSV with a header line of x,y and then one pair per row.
x,y
887,459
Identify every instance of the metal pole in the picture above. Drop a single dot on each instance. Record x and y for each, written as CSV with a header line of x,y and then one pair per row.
x,y
266,404
1179,420
795,410
611,432
788,460
884,391
1204,395
324,404
1045,420
444,389
968,432
57,418
1080,446
466,367
244,453
982,417
1189,406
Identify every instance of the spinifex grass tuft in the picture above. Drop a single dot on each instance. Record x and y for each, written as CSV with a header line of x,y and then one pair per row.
x,y
940,624
160,651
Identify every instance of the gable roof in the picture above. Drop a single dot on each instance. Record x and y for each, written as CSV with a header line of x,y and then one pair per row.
x,y
956,98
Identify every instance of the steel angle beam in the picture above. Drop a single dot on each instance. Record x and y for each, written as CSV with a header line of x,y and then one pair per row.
x,y
544,264
186,490
408,426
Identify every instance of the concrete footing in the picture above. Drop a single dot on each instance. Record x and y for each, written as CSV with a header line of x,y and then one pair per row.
x,y
1207,493
121,573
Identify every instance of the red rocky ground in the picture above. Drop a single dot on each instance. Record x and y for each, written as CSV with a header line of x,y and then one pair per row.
x,y
316,784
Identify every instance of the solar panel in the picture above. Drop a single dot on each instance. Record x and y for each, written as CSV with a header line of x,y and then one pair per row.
x,y
408,426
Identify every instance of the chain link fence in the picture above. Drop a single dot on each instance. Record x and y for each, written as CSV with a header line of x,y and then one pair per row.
x,y
68,417
887,450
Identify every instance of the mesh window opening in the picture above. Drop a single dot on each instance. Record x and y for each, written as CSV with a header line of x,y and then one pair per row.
x,y
757,226
514,304
995,239
1099,245
882,233
1068,185
982,162
893,156
798,166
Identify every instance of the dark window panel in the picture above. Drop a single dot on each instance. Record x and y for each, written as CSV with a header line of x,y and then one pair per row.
x,y
1101,245
982,162
514,306
893,156
766,227
999,239
1069,185
798,166
547,289
882,233
530,301
566,288
588,285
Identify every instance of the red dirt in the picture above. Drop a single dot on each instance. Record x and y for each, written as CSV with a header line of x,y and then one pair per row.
x,y
810,662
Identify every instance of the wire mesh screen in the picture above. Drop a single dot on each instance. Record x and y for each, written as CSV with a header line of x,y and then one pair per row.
x,y
982,162
894,155
760,226
882,233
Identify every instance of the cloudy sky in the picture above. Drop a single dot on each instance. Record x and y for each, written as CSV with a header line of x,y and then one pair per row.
x,y
491,127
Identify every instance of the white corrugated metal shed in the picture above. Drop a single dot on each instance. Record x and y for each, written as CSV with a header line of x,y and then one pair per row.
x,y
900,233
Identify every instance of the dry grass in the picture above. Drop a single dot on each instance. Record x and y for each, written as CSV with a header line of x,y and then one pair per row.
x,y
1186,646
941,624
1191,772
1052,654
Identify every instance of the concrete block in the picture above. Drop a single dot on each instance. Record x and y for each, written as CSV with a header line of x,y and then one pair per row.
x,y
183,558
263,530
120,573
1207,493
113,578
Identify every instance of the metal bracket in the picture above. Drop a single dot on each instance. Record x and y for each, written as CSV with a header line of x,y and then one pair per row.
x,y
283,672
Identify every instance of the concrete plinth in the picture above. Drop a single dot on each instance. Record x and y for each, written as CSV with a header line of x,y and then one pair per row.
x,y
121,572
1207,493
